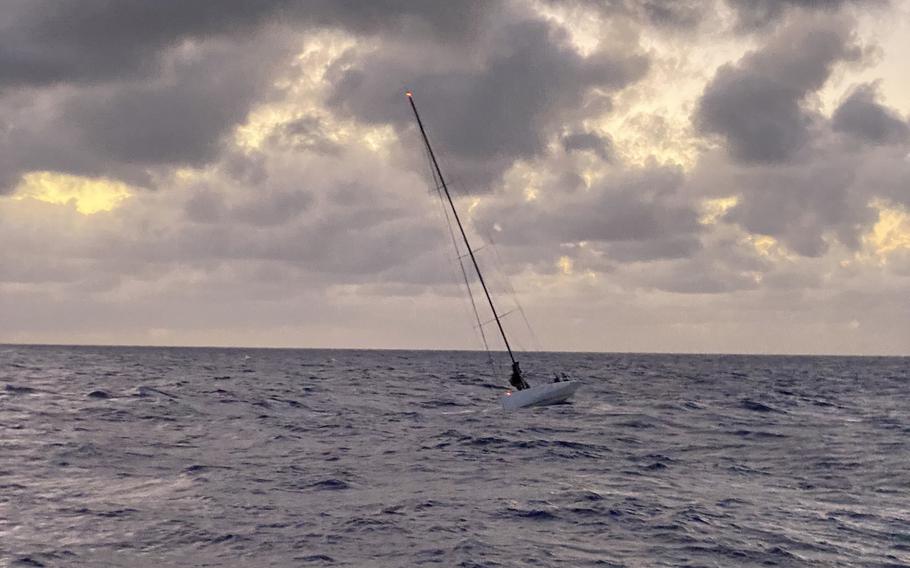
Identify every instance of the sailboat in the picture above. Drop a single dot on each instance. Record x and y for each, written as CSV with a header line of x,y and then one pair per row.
x,y
522,395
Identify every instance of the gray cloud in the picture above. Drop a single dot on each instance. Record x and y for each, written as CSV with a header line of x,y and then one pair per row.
x,y
446,21
125,130
160,85
601,146
677,246
205,206
679,14
822,199
178,120
753,15
275,209
150,84
756,105
305,133
700,276
637,212
261,208
861,115
46,42
484,117
800,204
797,181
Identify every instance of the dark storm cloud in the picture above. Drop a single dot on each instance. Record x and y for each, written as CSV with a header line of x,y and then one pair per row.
x,y
861,115
601,146
444,21
122,130
153,85
756,105
753,15
180,120
115,89
47,41
119,88
484,116
680,14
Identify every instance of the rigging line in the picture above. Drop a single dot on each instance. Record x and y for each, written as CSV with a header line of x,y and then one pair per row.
x,y
488,322
464,235
438,186
464,273
478,249
512,293
467,283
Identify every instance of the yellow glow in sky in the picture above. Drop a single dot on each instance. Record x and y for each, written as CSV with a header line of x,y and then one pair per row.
x,y
260,124
769,247
90,195
891,232
379,138
713,209
565,265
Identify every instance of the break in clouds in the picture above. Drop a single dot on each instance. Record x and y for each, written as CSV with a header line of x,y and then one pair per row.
x,y
690,176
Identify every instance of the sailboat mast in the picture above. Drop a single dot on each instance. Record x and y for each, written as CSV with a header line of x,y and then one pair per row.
x,y
460,226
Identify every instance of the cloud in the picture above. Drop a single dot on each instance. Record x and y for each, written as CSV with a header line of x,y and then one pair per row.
x,y
305,133
46,43
680,14
487,111
128,90
180,119
152,86
801,204
756,106
861,115
796,179
635,214
580,141
756,15
178,116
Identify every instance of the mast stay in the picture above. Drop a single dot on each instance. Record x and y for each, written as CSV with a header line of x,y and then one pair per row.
x,y
464,235
460,258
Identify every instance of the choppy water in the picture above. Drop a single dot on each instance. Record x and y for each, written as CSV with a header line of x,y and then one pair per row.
x,y
239,457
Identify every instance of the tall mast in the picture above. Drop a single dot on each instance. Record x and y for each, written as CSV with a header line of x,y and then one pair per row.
x,y
464,235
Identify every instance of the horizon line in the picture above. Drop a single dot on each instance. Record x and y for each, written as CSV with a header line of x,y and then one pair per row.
x,y
450,350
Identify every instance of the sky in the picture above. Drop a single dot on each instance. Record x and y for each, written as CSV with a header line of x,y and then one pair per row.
x,y
717,176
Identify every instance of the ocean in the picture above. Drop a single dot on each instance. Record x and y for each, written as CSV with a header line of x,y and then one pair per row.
x,y
134,457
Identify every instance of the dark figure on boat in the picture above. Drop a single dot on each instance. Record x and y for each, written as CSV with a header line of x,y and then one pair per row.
x,y
517,380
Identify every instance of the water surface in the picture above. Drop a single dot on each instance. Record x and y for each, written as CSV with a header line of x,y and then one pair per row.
x,y
244,457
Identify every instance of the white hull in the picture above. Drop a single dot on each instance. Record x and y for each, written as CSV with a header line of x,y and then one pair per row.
x,y
541,395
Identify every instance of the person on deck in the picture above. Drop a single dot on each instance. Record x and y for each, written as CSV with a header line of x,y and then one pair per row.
x,y
517,380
